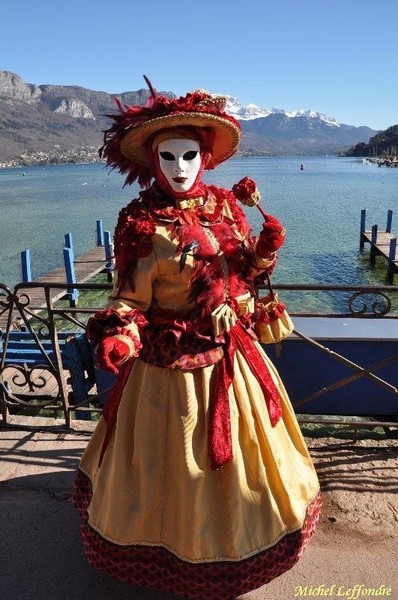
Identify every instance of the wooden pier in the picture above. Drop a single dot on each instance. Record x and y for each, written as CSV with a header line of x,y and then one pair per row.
x,y
85,267
75,270
382,243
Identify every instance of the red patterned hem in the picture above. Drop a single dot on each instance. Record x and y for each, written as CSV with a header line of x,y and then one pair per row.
x,y
157,568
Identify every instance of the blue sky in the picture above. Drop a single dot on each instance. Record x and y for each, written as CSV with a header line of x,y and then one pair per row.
x,y
338,57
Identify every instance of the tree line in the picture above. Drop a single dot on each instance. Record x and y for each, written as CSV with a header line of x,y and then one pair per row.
x,y
384,143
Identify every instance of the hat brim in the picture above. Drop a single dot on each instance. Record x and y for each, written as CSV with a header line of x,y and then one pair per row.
x,y
226,142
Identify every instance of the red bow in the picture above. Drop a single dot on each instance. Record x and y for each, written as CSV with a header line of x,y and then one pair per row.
x,y
220,440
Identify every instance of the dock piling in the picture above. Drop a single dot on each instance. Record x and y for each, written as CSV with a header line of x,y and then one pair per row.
x,y
100,233
389,221
391,259
25,266
373,244
362,229
108,255
69,241
382,243
70,275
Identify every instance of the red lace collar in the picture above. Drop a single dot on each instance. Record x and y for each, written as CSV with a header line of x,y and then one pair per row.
x,y
208,208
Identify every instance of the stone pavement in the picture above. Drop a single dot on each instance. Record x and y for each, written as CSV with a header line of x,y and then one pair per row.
x,y
41,556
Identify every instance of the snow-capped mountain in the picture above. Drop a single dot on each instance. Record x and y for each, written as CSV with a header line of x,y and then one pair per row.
x,y
245,112
311,114
251,111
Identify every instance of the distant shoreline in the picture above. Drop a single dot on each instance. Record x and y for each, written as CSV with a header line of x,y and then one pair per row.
x,y
14,165
86,155
42,159
386,161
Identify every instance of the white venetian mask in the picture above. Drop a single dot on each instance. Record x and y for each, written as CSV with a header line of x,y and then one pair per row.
x,y
180,162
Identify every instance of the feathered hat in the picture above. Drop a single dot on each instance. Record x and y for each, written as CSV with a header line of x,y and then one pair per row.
x,y
126,141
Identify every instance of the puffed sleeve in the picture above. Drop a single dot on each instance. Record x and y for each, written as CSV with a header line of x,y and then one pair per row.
x,y
136,270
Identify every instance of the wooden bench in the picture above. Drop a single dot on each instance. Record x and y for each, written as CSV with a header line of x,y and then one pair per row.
x,y
23,351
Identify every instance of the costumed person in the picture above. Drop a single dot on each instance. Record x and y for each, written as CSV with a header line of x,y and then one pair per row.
x,y
197,480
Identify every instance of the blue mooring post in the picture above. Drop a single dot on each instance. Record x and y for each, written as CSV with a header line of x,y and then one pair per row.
x,y
363,229
391,258
373,245
25,266
70,275
100,233
69,241
108,254
389,221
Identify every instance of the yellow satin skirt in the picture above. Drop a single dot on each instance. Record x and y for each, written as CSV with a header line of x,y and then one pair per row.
x,y
155,486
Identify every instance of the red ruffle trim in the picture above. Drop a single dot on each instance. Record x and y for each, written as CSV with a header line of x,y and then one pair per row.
x,y
272,313
157,568
111,322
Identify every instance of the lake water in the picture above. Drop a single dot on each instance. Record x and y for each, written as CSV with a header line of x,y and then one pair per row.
x,y
320,208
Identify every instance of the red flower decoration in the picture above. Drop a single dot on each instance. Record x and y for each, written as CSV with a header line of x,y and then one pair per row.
x,y
246,191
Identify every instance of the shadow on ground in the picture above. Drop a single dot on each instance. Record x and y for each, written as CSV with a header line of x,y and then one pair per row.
x,y
41,554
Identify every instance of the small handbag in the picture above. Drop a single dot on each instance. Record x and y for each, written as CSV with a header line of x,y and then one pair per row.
x,y
273,323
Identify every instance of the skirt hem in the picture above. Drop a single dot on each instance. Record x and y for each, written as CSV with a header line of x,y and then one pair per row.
x,y
158,568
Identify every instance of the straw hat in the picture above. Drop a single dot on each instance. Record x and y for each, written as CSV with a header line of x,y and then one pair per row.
x,y
227,135
126,141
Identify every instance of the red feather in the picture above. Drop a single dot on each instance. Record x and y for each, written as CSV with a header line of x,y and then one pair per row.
x,y
153,95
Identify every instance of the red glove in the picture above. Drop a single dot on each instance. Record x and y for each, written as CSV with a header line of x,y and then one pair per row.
x,y
113,351
271,237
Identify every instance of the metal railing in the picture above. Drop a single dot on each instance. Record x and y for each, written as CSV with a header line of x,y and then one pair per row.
x,y
42,385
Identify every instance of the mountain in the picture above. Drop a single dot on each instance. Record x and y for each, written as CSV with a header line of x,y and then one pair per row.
x,y
282,134
50,123
252,111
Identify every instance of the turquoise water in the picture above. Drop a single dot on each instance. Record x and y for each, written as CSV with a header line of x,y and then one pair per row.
x,y
320,208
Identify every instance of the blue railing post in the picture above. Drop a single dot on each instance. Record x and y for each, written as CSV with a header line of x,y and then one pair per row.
x,y
100,233
363,229
70,275
389,221
25,266
108,254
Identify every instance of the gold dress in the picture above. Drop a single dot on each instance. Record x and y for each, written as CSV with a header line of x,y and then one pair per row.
x,y
202,499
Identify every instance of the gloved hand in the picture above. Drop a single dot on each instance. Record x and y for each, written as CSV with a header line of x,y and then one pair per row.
x,y
113,351
271,237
